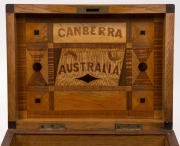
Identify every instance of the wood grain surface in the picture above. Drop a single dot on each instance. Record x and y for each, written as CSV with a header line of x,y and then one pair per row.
x,y
12,78
90,76
118,9
89,140
168,67
8,139
89,101
19,137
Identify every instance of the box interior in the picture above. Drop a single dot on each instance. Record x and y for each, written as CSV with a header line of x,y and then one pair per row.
x,y
89,140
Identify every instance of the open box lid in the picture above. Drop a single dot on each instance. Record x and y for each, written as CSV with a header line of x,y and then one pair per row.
x,y
82,67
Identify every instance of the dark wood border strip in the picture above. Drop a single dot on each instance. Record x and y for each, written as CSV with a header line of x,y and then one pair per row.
x,y
93,88
89,45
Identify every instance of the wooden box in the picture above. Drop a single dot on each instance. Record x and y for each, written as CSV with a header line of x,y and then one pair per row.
x,y
90,75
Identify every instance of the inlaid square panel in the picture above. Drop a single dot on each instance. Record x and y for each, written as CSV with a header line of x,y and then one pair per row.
x,y
142,100
37,101
142,32
36,32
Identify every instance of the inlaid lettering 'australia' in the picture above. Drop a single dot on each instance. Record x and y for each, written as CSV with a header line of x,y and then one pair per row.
x,y
89,32
90,67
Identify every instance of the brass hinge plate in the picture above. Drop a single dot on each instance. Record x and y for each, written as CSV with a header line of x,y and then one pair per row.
x,y
93,9
52,126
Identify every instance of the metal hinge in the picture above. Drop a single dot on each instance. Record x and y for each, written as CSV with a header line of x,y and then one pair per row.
x,y
128,127
12,125
167,125
52,126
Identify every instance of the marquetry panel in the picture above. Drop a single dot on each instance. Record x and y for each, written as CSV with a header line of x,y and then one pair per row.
x,y
71,68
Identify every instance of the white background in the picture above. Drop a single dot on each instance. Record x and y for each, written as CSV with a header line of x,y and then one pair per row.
x,y
3,58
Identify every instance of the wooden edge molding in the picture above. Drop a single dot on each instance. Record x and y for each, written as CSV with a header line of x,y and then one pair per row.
x,y
88,132
10,24
168,67
137,9
91,9
9,8
8,138
170,8
11,133
19,8
172,138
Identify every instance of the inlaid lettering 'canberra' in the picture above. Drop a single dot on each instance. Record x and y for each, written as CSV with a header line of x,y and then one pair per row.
x,y
89,32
